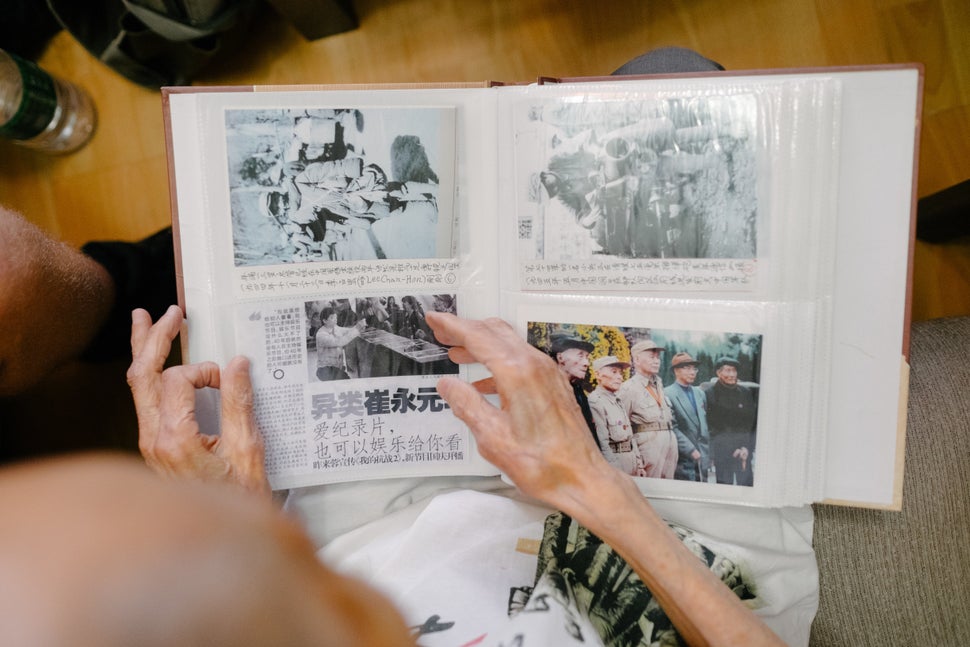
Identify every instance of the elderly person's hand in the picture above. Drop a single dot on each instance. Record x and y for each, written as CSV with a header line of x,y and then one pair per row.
x,y
538,437
168,433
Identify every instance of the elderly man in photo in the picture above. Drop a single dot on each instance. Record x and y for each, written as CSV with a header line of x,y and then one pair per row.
x,y
732,416
614,433
572,358
646,404
689,406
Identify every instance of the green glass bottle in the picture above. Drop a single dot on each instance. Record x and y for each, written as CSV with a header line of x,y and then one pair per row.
x,y
41,111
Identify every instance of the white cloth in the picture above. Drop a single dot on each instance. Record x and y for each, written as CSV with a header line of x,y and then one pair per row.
x,y
446,555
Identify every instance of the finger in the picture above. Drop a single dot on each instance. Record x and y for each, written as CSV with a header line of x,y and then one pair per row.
x,y
488,341
470,406
177,406
154,346
143,379
179,386
146,366
237,398
200,375
447,327
240,436
438,327
142,329
485,386
141,321
459,355
169,438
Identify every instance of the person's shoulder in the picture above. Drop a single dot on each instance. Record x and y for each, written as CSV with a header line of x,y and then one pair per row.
x,y
750,389
628,386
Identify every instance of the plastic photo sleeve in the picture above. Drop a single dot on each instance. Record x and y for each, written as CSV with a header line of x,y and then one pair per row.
x,y
695,398
638,190
347,386
315,192
672,187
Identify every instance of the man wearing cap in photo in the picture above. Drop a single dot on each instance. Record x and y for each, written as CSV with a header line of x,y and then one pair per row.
x,y
646,404
689,406
613,429
572,358
732,417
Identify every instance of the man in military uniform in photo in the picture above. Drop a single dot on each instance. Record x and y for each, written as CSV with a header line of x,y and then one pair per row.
x,y
647,406
732,417
689,406
613,429
572,358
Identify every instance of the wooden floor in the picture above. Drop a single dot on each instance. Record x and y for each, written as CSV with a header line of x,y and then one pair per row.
x,y
117,187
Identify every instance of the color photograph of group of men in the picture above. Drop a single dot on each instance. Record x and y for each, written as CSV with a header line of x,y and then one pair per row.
x,y
663,403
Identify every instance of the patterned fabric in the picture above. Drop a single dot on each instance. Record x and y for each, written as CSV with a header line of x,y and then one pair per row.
x,y
450,563
577,569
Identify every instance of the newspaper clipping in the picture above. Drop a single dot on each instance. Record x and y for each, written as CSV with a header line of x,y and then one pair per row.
x,y
348,385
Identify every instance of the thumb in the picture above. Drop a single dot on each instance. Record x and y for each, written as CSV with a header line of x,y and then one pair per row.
x,y
236,391
240,437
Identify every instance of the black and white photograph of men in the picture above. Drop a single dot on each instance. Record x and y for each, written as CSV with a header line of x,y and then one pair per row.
x,y
668,404
343,184
643,179
375,337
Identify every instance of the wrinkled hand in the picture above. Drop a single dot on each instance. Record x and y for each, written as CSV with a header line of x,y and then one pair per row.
x,y
538,437
168,434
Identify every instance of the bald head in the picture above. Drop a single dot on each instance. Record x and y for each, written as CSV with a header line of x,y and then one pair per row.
x,y
53,300
99,551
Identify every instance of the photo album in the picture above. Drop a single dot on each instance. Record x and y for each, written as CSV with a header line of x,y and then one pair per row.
x,y
719,265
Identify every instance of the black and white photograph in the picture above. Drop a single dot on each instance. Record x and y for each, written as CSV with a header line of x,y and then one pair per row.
x,y
375,337
641,179
668,404
340,184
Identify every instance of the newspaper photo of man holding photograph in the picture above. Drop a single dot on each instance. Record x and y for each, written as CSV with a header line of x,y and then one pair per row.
x,y
344,383
375,337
